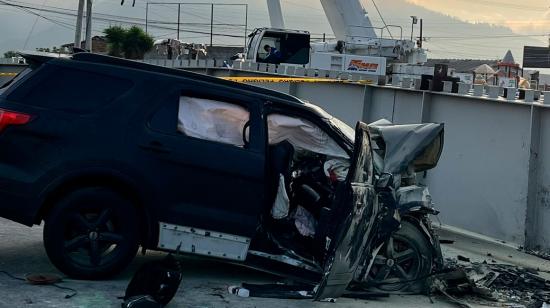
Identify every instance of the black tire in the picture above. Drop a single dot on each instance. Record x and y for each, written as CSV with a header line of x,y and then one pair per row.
x,y
92,233
403,263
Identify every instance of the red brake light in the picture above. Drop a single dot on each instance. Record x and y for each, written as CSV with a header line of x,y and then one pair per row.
x,y
12,118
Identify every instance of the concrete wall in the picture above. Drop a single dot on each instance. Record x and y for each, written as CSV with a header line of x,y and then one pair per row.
x,y
481,182
538,226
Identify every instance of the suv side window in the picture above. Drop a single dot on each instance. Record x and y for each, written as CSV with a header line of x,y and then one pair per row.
x,y
213,120
70,90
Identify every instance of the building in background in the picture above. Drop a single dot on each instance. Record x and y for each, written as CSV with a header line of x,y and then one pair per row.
x,y
99,45
508,71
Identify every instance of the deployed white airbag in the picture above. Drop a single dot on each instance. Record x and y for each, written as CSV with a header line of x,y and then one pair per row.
x,y
302,134
212,120
282,203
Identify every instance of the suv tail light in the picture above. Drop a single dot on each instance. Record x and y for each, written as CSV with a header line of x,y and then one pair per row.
x,y
8,118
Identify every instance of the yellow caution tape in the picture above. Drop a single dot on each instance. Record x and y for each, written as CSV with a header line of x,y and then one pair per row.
x,y
8,74
290,80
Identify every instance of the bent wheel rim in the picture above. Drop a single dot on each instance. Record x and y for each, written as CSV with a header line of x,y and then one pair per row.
x,y
400,261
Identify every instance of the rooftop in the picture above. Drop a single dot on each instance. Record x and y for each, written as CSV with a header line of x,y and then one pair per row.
x,y
462,65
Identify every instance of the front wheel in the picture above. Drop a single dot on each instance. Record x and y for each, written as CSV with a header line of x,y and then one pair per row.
x,y
92,233
403,263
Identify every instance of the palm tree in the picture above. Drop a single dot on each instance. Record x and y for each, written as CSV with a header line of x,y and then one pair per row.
x,y
115,37
131,43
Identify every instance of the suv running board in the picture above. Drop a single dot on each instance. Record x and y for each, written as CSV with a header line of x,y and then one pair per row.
x,y
203,242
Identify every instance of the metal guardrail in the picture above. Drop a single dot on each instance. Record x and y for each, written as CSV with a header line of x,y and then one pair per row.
x,y
381,29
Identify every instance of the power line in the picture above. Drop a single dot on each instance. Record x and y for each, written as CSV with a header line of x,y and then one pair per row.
x,y
32,28
109,18
382,18
61,24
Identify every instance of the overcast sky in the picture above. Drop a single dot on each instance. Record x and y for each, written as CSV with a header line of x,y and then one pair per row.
x,y
453,28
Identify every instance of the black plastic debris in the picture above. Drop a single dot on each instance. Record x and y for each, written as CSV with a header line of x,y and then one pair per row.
x,y
154,284
500,283
296,291
443,241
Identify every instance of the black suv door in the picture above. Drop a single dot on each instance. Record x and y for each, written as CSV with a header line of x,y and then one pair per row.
x,y
357,219
204,183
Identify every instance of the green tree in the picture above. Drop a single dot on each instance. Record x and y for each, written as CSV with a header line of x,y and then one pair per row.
x,y
115,38
10,54
131,43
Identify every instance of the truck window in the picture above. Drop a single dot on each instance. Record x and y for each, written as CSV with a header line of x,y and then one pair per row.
x,y
293,48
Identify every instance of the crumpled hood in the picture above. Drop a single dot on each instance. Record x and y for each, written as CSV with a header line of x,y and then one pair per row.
x,y
420,144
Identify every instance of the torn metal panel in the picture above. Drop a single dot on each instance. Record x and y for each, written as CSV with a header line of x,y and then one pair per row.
x,y
417,144
286,259
413,198
359,217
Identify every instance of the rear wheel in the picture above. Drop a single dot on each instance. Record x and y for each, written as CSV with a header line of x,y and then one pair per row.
x,y
92,233
403,263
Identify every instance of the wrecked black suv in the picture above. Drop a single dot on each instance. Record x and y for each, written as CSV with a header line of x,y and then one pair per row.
x,y
113,154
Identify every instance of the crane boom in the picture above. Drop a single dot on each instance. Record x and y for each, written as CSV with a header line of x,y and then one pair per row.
x,y
348,19
276,14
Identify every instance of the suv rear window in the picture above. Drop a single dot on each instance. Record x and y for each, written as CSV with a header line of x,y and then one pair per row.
x,y
70,90
4,87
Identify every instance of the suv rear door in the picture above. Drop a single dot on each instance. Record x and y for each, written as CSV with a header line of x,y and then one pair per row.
x,y
358,211
204,184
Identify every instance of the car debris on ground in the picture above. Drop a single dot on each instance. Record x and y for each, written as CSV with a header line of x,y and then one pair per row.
x,y
491,284
462,281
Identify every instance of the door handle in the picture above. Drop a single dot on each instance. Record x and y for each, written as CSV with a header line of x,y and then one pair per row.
x,y
156,147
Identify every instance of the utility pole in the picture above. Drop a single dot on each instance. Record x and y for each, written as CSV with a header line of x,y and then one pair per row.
x,y
78,31
245,24
89,25
179,18
211,24
146,16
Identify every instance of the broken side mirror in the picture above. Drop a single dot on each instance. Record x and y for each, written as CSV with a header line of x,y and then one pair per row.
x,y
385,181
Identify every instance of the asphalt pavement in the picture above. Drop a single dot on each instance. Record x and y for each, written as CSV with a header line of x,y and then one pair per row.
x,y
204,284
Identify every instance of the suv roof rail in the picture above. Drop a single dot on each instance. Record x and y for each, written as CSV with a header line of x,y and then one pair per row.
x,y
102,59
